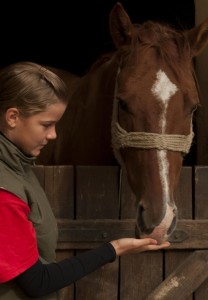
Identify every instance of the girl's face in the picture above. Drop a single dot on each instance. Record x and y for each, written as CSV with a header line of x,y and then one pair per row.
x,y
31,134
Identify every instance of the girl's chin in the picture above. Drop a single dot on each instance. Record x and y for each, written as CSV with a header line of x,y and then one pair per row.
x,y
36,153
33,153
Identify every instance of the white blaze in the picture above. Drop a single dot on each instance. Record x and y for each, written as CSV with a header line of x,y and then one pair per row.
x,y
163,89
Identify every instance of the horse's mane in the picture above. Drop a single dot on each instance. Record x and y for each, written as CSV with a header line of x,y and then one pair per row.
x,y
103,58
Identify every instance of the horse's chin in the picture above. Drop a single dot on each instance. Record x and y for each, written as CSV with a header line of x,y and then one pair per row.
x,y
162,232
157,234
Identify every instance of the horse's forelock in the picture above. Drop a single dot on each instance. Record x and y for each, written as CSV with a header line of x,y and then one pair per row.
x,y
172,47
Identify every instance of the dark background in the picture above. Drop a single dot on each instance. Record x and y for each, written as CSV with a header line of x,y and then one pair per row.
x,y
71,35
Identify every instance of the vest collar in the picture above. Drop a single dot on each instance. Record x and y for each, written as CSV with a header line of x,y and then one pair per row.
x,y
11,155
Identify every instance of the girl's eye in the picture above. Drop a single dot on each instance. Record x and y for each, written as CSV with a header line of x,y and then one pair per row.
x,y
46,125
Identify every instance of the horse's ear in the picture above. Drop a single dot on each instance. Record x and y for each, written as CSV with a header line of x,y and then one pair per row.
x,y
198,37
121,27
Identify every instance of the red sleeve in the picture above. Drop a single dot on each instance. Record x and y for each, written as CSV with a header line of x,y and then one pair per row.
x,y
18,245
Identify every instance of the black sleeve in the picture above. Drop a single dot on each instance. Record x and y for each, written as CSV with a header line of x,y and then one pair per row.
x,y
42,279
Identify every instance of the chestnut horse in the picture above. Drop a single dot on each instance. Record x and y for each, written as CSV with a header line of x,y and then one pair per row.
x,y
136,105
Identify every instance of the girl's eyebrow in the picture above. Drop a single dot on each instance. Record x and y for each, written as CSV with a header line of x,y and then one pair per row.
x,y
49,121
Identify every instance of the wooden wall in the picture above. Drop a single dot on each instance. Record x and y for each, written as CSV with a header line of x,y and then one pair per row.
x,y
202,75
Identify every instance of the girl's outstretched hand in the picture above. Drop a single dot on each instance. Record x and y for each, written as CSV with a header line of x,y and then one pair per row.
x,y
131,245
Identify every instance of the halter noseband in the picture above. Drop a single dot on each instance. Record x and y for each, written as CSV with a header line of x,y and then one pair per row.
x,y
147,140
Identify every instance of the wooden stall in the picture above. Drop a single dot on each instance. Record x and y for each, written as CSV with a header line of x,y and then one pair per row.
x,y
94,205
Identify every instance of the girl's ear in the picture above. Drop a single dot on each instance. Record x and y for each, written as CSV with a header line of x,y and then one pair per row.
x,y
11,116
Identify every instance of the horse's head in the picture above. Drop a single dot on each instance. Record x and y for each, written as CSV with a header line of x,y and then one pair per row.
x,y
155,97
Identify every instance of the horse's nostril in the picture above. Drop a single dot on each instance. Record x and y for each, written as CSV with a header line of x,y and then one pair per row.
x,y
142,227
172,226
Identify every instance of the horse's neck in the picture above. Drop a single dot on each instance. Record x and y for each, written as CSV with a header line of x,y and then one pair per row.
x,y
97,84
91,103
88,118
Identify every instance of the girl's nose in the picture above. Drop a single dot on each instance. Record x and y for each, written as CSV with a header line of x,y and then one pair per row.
x,y
52,133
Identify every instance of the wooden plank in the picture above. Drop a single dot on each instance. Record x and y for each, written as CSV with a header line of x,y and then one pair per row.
x,y
201,192
66,293
189,234
201,212
97,198
184,195
97,192
127,198
136,279
183,281
138,274
58,185
59,188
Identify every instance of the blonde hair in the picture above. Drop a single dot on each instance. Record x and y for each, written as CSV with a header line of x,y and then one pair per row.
x,y
30,87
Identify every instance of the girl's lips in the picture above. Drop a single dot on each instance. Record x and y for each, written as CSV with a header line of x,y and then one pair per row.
x,y
42,146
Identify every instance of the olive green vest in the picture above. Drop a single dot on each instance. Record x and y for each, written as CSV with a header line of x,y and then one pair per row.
x,y
17,176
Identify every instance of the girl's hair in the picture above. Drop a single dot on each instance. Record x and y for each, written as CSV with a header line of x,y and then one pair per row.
x,y
30,87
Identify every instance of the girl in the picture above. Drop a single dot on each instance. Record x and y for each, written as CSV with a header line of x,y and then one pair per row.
x,y
32,101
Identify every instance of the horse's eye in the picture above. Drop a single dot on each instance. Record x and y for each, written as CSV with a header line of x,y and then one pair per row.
x,y
123,105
